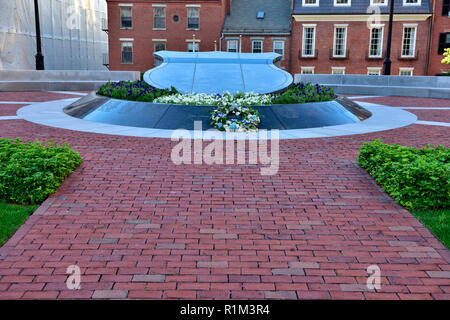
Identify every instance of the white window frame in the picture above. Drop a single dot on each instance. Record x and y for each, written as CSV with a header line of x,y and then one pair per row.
x,y
344,26
160,6
414,42
384,3
419,3
379,26
406,69
190,7
234,41
304,4
260,41
336,69
313,49
196,43
376,69
126,6
308,69
348,4
279,41
129,43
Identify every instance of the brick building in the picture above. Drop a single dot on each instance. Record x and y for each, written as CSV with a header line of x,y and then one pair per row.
x,y
314,36
440,38
259,26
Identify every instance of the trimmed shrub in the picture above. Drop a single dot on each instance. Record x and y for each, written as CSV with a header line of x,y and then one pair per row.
x,y
31,171
304,92
416,178
133,91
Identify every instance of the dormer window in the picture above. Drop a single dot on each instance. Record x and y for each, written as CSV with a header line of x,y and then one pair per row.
x,y
342,3
260,15
378,2
412,2
310,3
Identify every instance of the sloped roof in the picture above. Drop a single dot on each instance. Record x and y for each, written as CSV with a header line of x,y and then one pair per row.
x,y
242,18
358,7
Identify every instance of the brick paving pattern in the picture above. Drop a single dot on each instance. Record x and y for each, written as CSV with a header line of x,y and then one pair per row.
x,y
139,226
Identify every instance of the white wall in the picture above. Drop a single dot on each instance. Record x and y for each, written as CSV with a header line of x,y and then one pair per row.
x,y
72,38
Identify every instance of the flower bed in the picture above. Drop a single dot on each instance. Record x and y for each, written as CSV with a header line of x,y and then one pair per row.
x,y
233,112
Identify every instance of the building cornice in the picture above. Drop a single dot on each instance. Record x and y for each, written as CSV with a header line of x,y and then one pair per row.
x,y
359,17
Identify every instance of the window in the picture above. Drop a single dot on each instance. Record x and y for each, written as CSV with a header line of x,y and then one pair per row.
x,y
193,47
257,46
126,18
159,46
312,3
159,18
127,52
193,18
376,42
278,47
446,8
444,42
343,3
409,41
378,2
260,15
373,71
406,71
309,39
412,2
337,70
232,45
340,41
307,70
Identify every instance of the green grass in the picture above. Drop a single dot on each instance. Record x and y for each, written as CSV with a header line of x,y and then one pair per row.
x,y
438,222
11,218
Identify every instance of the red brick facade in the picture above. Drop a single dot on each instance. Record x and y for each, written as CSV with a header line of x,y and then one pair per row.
x,y
441,24
176,36
357,59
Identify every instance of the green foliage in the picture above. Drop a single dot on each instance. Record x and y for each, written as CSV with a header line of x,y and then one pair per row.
x,y
133,91
417,178
31,171
304,92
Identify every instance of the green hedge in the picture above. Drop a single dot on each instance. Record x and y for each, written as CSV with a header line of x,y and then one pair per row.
x,y
31,171
416,178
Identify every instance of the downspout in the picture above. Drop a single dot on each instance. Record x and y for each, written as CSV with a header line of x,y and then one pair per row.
x,y
430,36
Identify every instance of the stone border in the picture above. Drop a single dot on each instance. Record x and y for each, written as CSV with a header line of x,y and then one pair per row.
x,y
51,114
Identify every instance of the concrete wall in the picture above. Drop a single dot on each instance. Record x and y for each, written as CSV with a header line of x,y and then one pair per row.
x,y
426,87
70,80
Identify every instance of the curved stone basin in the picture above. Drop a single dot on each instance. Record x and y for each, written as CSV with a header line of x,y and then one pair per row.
x,y
171,116
217,72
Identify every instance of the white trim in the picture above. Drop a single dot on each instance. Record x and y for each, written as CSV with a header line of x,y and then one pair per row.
x,y
125,4
345,41
376,26
313,49
359,17
348,4
159,40
308,68
310,4
262,44
406,69
155,5
192,40
414,26
385,3
193,6
419,3
337,68
377,69
273,47
126,39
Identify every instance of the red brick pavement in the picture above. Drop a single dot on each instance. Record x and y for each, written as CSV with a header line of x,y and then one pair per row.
x,y
408,102
140,227
10,109
34,96
431,115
